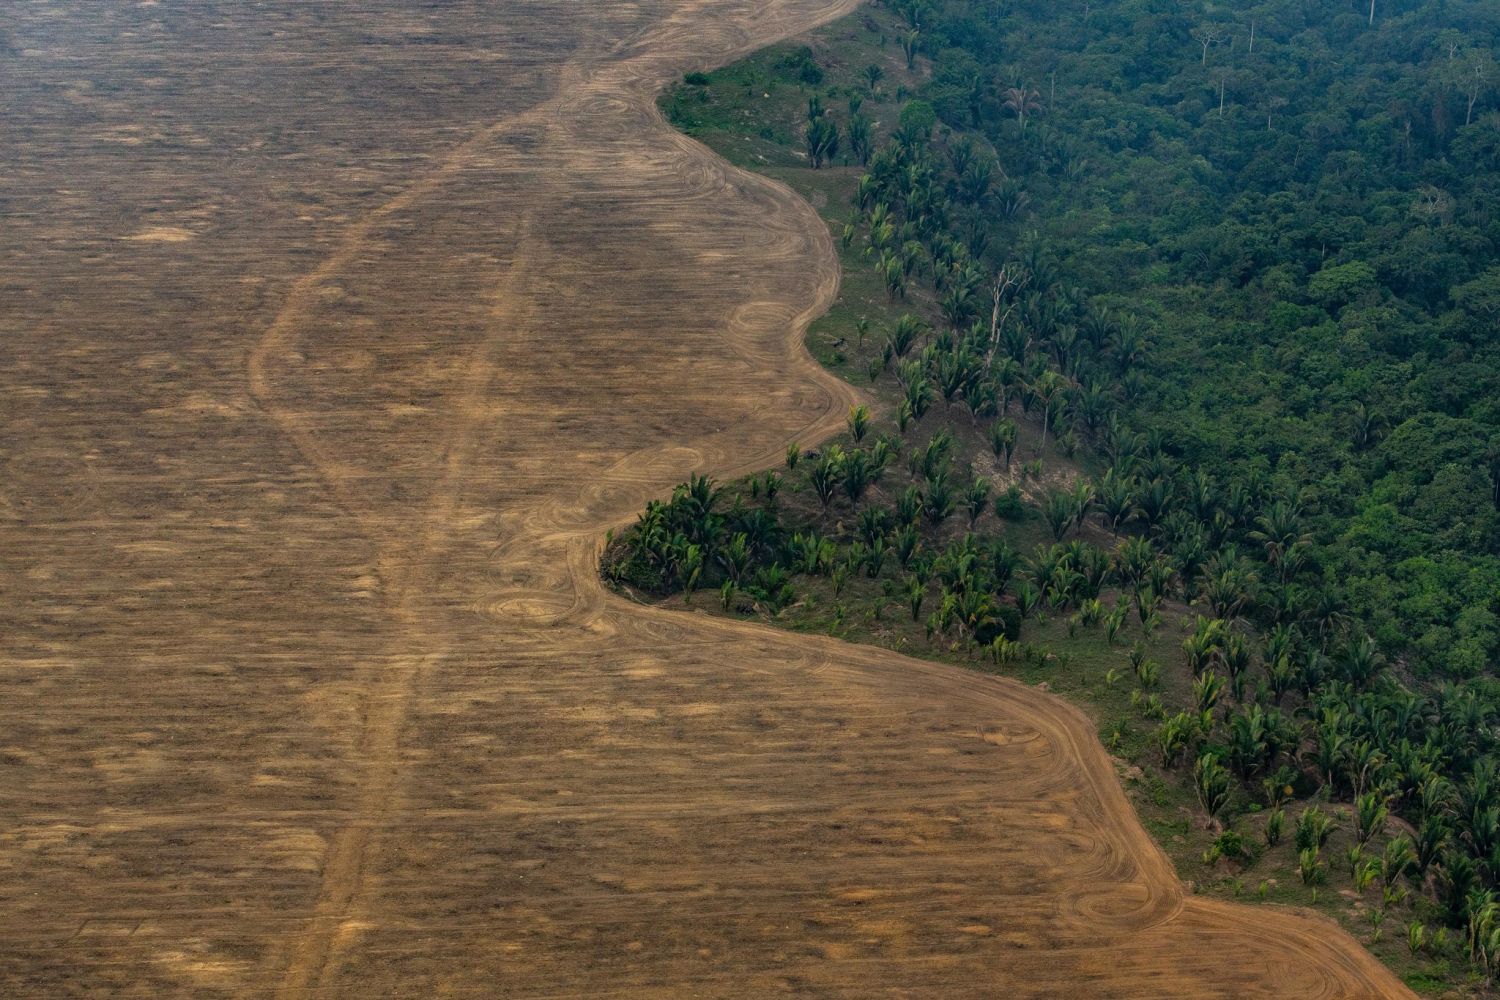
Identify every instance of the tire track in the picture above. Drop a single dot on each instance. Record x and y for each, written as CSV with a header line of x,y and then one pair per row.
x,y
406,567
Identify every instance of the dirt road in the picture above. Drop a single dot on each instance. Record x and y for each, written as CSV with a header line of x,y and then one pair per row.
x,y
333,337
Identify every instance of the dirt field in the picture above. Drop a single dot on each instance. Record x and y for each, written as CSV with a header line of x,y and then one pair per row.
x,y
333,337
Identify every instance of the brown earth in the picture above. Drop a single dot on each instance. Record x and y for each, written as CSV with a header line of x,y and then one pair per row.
x,y
332,339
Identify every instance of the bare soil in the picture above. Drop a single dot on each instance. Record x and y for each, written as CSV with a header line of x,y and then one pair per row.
x,y
333,337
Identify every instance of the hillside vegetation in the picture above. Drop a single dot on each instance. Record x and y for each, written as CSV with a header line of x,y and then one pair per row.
x,y
1181,326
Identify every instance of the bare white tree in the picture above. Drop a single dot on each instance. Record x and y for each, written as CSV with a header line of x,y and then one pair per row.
x,y
1207,35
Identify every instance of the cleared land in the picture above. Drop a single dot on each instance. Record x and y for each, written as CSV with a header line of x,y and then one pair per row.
x,y
332,339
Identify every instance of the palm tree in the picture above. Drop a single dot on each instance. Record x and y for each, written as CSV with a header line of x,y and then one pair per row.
x,y
1248,751
905,334
1362,660
937,497
910,44
1199,493
859,422
910,254
1367,426
825,477
1093,404
960,153
1153,501
934,457
1059,509
822,140
1083,502
906,542
806,552
691,571
1065,348
974,182
909,506
954,372
1133,557
736,557
1212,784
1309,868
915,592
882,454
1097,327
881,227
1236,659
976,498
1049,389
895,276
696,498
1023,102
1327,614
1314,827
1279,530
913,11
1173,735
1370,814
1208,688
859,139
1003,439
918,397
1227,594
1189,553
1115,495
1202,647
1008,375
1279,677
873,524
979,397
1365,765
1016,339
957,304
975,611
873,75
1128,343
857,475
1432,840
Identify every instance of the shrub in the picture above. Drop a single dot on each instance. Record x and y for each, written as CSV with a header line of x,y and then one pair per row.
x,y
1009,506
799,66
1006,622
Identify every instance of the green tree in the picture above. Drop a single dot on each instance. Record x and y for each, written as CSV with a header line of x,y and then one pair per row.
x,y
1003,440
911,44
822,141
1339,284
859,422
917,121
1212,784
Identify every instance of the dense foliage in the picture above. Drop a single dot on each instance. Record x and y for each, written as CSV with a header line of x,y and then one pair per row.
x,y
759,552
1250,260
1309,226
